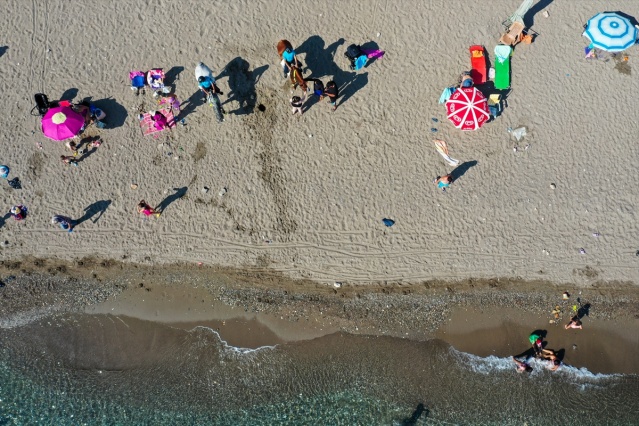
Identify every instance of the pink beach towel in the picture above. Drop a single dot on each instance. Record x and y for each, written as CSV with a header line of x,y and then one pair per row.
x,y
373,53
149,126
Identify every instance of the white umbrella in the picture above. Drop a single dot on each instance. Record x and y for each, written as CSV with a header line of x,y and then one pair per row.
x,y
611,32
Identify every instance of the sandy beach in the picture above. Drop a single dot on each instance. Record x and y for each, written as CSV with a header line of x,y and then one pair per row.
x,y
270,270
306,197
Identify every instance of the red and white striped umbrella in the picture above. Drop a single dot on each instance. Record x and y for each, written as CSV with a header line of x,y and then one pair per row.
x,y
467,108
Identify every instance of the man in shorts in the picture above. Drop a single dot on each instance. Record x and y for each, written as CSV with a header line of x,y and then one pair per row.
x,y
332,92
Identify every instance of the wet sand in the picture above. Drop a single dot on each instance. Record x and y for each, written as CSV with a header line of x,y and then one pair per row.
x,y
253,310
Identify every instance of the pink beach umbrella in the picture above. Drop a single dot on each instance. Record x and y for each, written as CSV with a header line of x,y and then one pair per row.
x,y
61,123
467,108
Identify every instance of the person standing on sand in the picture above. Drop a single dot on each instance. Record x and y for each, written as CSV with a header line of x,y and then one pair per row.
x,y
443,182
332,92
297,104
288,56
65,223
145,209
318,87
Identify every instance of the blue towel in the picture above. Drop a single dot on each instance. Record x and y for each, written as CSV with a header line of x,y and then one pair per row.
x,y
360,62
446,94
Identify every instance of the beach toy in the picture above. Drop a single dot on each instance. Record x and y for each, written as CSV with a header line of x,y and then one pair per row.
x,y
4,171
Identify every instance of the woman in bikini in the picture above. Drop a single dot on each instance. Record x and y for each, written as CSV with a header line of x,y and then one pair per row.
x,y
146,209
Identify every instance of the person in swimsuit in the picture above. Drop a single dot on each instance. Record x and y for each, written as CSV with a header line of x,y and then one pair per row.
x,y
146,209
575,322
443,182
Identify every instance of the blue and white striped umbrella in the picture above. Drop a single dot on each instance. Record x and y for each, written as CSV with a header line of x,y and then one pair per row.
x,y
611,32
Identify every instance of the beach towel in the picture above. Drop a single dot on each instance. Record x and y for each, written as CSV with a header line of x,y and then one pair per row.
x,y
477,64
360,62
502,66
148,125
442,148
373,54
446,94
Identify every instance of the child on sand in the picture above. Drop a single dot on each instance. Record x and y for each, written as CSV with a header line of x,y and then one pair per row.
x,y
68,159
443,182
172,101
146,209
73,147
298,104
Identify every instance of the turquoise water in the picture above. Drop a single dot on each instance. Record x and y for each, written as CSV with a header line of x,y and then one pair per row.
x,y
74,370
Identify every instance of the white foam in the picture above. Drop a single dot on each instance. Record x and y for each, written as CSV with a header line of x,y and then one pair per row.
x,y
229,349
491,364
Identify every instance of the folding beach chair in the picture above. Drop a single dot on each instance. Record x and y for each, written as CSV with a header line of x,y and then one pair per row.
x,y
502,66
515,28
494,104
477,64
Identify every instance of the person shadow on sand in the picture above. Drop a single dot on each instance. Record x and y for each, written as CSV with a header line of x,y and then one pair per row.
x,y
179,193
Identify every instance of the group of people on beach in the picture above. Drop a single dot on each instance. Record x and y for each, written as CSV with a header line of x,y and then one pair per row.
x,y
540,351
292,69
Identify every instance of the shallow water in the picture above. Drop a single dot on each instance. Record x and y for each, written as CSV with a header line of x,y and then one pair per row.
x,y
99,369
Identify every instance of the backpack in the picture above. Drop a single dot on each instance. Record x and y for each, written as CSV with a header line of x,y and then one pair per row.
x,y
42,103
353,52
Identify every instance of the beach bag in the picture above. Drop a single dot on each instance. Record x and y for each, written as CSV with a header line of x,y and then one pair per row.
x,y
42,103
353,52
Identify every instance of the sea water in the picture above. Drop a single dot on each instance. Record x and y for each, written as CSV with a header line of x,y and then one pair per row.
x,y
106,370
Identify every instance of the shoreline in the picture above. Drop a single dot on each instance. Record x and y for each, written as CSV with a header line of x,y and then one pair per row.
x,y
252,310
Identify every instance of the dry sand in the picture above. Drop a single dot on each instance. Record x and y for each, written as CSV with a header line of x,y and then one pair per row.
x,y
318,187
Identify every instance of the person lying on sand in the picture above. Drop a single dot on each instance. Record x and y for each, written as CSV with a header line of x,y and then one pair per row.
x,y
574,323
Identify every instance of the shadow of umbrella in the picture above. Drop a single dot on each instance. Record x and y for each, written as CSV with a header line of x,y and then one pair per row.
x,y
116,114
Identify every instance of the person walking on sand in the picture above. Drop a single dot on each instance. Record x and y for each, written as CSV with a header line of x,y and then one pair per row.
x,y
65,223
443,182
145,209
332,92
575,322
297,104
